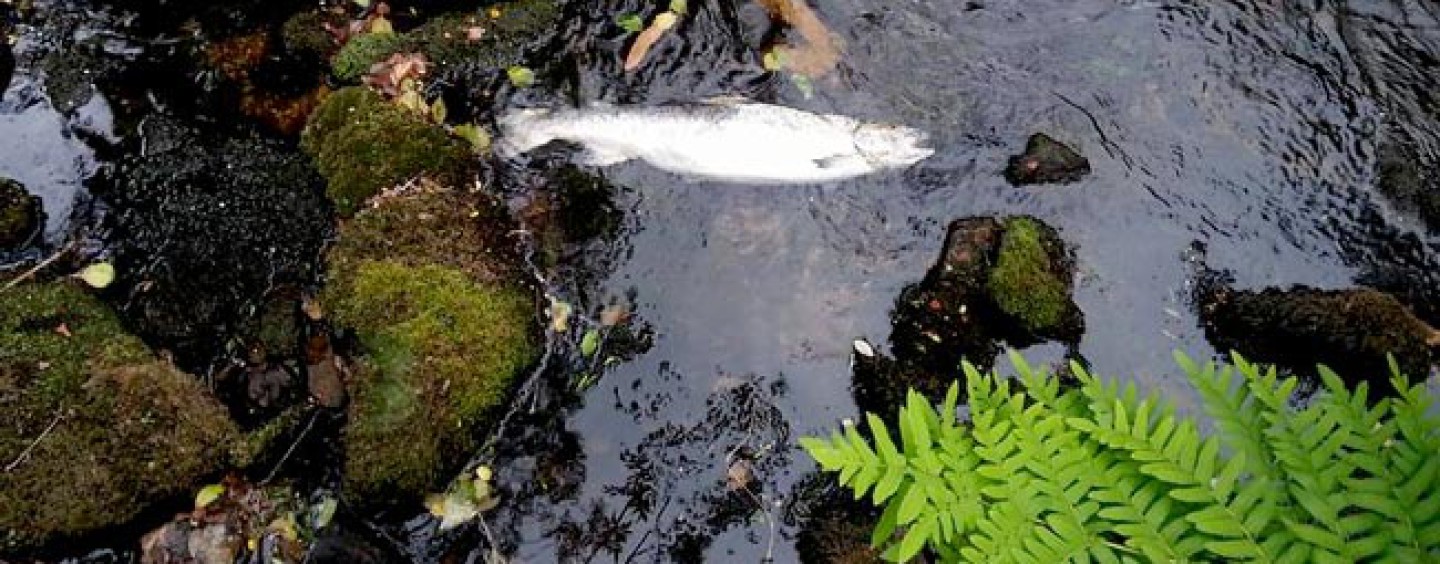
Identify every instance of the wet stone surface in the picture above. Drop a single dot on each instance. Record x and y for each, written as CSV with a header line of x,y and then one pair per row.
x,y
1046,161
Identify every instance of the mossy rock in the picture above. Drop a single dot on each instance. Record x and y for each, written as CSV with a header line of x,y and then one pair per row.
x,y
442,354
445,39
361,52
127,431
363,144
1354,332
1032,277
305,34
21,215
431,287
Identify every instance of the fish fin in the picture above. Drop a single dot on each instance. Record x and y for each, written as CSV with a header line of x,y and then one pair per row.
x,y
726,101
594,156
838,161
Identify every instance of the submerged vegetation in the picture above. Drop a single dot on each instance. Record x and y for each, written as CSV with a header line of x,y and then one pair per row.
x,y
1041,473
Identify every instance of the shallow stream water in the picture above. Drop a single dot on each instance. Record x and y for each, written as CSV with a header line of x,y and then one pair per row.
x,y
1251,126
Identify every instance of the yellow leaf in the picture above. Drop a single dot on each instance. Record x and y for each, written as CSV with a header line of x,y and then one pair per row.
x,y
99,275
208,495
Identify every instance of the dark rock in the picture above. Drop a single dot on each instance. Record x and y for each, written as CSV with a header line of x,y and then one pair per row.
x,y
997,281
203,229
1044,161
21,216
7,63
834,526
1351,331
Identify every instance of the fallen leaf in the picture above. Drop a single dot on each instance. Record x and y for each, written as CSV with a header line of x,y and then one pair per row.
x,y
679,6
646,39
474,33
739,475
453,509
590,343
520,76
484,473
774,59
613,315
438,111
560,315
362,3
208,495
479,138
323,512
381,26
98,275
64,330
630,22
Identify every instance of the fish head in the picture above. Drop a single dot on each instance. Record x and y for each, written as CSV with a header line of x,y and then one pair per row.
x,y
888,145
522,130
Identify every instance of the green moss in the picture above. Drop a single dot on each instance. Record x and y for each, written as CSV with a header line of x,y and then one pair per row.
x,y
127,430
1024,283
362,145
444,39
361,52
443,353
305,33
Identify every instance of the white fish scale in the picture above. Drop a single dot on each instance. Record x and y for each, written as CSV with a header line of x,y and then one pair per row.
x,y
745,142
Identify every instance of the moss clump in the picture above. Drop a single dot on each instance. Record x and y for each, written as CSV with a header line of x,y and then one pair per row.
x,y
1026,282
443,352
361,52
363,144
127,430
305,34
20,215
445,39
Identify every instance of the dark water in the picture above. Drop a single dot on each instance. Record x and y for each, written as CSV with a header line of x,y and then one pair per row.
x,y
1252,126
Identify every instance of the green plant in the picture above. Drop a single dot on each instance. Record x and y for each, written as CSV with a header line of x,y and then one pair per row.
x,y
1043,473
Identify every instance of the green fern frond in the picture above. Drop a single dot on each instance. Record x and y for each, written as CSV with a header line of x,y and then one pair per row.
x,y
1042,473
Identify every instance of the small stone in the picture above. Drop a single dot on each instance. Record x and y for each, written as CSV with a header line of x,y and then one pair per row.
x,y
21,217
1045,161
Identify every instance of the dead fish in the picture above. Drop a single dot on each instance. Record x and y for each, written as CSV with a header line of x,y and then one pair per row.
x,y
730,140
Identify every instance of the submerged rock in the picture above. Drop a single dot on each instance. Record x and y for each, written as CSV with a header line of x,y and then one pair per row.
x,y
204,229
21,217
363,144
96,430
997,281
1351,331
431,289
1409,179
267,524
1044,161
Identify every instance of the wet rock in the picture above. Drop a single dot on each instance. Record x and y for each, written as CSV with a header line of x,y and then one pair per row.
x,y
96,430
7,63
431,289
277,89
264,524
363,144
1351,331
204,229
21,216
324,373
1045,161
997,281
835,528
450,40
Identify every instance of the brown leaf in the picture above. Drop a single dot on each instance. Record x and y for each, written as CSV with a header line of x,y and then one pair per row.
x,y
646,39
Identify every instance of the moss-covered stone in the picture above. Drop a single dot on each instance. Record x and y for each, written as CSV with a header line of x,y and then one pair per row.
x,y
305,33
430,286
1046,160
446,40
1031,277
361,52
124,430
21,216
442,353
1351,331
363,144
